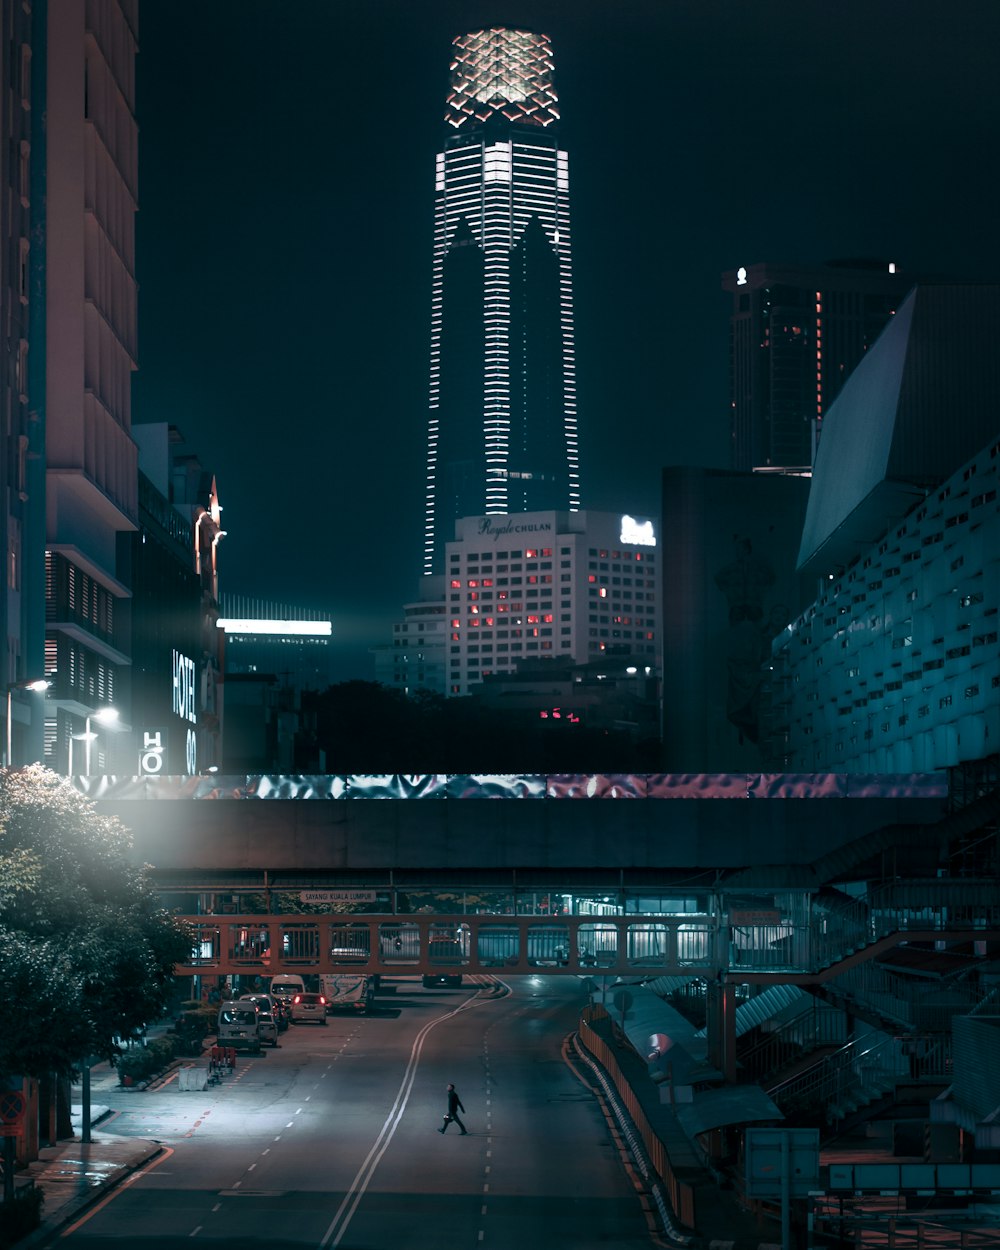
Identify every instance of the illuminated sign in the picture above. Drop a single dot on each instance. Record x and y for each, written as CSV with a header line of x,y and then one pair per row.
x,y
250,625
498,531
741,276
152,753
184,688
638,533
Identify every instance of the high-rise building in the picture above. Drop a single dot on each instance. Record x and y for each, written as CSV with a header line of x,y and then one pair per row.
x,y
90,157
23,504
502,427
796,333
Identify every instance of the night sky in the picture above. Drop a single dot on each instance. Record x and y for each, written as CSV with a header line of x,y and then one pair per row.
x,y
285,227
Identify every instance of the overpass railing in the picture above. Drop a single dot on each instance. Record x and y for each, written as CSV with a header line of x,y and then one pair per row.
x,y
799,938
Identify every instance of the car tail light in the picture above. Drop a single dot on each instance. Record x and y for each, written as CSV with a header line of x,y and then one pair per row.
x,y
322,1000
296,999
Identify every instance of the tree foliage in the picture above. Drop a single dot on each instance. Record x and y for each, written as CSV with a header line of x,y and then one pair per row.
x,y
86,952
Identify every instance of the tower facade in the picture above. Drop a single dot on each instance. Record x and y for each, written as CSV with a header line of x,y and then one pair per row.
x,y
502,426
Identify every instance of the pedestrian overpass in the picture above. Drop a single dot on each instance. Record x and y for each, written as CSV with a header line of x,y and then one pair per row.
x,y
727,877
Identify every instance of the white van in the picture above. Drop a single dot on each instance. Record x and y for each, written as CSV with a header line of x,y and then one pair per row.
x,y
238,1026
286,985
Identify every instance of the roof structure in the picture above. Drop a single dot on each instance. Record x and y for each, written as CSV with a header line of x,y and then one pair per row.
x,y
502,72
920,404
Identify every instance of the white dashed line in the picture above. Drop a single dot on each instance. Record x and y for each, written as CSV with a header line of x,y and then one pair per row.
x,y
195,1231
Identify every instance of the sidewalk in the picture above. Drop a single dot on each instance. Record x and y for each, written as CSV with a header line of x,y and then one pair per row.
x,y
74,1175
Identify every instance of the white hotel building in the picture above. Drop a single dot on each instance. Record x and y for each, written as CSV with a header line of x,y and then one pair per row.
x,y
570,586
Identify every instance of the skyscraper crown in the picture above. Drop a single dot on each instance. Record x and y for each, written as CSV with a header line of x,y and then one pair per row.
x,y
505,72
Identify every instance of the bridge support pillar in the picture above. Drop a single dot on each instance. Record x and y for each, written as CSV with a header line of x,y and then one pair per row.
x,y
720,1023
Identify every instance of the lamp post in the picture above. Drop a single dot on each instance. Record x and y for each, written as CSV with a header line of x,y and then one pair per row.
x,y
105,716
38,684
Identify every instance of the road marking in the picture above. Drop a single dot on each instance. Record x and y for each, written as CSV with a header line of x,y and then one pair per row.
x,y
195,1231
216,1207
251,1167
482,1209
237,1184
291,1123
267,1151
299,1111
345,1212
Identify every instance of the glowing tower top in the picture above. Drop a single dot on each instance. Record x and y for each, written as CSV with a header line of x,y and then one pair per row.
x,y
502,71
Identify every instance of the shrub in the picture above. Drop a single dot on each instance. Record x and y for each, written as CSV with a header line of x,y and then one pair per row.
x,y
141,1062
20,1216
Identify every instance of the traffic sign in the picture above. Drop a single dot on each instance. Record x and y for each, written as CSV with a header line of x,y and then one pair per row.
x,y
12,1108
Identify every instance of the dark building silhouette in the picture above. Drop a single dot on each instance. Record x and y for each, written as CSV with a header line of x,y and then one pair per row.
x,y
796,333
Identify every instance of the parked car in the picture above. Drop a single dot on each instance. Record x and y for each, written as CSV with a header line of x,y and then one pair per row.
x,y
239,1026
267,1026
308,1006
272,1004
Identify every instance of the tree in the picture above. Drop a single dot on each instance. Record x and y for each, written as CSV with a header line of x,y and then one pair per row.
x,y
86,953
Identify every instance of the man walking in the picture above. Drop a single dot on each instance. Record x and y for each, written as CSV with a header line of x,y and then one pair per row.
x,y
454,1107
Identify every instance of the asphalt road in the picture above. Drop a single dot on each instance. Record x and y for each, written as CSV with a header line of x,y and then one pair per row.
x,y
332,1139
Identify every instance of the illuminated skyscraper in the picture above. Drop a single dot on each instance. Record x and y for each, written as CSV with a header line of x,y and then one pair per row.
x,y
502,431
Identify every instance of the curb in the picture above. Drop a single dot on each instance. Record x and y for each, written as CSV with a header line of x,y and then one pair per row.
x,y
74,1207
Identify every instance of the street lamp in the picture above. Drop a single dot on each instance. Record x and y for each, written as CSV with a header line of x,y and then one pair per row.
x,y
105,716
37,683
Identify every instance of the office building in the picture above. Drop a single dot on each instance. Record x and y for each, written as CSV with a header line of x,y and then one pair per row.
x,y
502,425
893,667
416,657
796,333
89,147
274,654
570,586
21,340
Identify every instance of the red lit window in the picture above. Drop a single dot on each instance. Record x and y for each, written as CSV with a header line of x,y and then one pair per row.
x,y
532,620
474,609
546,551
532,579
603,592
455,583
547,618
487,581
473,581
530,554
455,623
592,577
455,636
489,620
